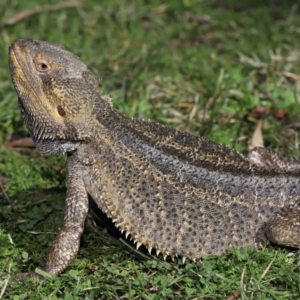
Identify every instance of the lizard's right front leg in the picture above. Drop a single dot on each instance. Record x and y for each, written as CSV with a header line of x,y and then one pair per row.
x,y
66,244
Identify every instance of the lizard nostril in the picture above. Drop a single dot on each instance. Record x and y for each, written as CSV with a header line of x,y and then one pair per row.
x,y
61,111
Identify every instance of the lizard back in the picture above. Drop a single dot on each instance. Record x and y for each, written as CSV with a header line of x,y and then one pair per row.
x,y
181,194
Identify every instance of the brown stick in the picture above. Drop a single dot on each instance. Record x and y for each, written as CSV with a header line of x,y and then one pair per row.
x,y
235,295
20,16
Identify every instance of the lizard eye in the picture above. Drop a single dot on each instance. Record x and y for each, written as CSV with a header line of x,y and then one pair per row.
x,y
42,65
61,111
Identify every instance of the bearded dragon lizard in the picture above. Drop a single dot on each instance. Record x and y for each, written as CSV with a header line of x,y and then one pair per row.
x,y
171,191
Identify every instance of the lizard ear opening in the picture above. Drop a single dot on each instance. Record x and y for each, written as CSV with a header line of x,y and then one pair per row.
x,y
61,111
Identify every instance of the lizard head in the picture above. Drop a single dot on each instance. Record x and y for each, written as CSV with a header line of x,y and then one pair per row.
x,y
57,94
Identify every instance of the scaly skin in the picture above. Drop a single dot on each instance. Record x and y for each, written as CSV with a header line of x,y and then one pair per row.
x,y
172,191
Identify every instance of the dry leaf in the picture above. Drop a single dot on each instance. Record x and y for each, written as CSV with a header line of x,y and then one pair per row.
x,y
280,113
257,138
258,112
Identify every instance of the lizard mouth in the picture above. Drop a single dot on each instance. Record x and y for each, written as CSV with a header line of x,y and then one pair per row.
x,y
14,66
21,77
16,70
28,90
16,63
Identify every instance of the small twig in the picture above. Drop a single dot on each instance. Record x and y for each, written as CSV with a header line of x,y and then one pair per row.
x,y
194,109
21,143
4,287
234,295
268,267
5,282
36,202
4,193
20,16
41,232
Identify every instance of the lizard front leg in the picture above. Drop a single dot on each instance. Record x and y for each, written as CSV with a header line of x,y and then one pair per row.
x,y
66,244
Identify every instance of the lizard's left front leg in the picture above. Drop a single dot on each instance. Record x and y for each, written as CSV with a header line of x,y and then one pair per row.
x,y
66,244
